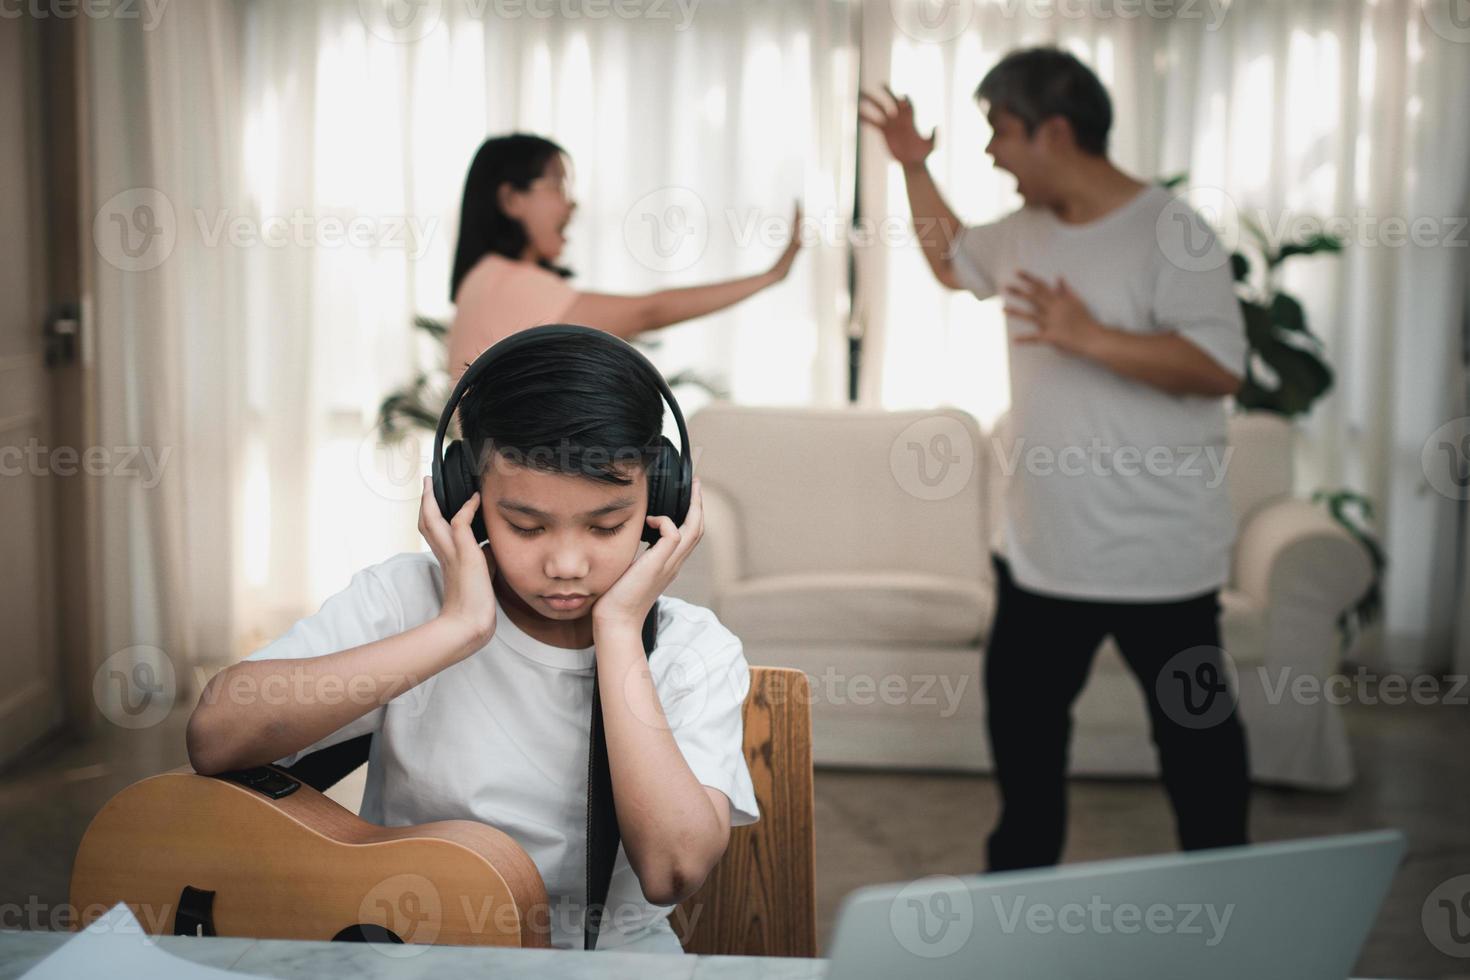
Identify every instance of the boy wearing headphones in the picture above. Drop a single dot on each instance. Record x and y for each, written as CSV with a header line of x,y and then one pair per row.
x,y
475,668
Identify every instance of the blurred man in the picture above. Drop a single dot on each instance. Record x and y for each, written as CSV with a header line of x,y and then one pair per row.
x,y
1125,337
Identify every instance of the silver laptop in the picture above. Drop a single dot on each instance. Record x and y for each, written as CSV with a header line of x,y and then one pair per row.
x,y
1298,910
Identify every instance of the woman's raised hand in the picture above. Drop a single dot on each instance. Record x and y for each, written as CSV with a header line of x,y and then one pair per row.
x,y
793,245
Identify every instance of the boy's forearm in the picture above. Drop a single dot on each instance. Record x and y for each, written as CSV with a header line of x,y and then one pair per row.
x,y
257,711
668,824
935,225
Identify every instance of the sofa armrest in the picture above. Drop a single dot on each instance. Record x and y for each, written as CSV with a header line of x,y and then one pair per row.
x,y
715,563
1291,554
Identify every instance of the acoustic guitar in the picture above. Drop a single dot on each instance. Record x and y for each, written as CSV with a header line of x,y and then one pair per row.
x,y
259,853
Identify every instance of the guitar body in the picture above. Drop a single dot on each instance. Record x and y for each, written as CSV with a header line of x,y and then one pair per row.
x,y
282,861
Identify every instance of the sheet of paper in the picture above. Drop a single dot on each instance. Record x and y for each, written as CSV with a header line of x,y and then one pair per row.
x,y
116,946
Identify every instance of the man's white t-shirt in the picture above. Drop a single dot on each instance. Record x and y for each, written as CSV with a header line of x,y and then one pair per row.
x,y
1116,488
501,736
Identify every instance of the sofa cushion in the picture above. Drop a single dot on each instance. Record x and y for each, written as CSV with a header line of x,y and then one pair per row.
x,y
858,607
862,490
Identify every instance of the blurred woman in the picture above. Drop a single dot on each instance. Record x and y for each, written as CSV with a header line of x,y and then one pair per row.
x,y
512,229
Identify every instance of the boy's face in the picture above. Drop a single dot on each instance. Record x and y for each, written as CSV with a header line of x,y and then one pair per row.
x,y
558,535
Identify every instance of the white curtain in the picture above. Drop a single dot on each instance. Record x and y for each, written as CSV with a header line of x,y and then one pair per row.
x,y
1351,109
315,155
164,334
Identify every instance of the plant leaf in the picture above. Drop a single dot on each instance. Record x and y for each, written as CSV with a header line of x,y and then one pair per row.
x,y
1240,266
1310,246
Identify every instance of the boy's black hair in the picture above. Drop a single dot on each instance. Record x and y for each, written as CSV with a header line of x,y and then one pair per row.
x,y
577,404
484,229
1035,84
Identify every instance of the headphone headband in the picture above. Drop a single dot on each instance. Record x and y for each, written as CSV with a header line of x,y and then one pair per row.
x,y
529,337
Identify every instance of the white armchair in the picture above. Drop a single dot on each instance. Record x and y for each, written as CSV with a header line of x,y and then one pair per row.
x,y
822,553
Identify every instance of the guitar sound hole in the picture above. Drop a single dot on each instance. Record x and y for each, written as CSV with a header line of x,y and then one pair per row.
x,y
366,932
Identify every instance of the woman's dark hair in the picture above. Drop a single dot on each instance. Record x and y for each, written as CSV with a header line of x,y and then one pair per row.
x,y
579,404
516,160
1035,84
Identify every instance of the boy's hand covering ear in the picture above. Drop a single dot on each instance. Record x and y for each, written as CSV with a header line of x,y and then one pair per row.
x,y
626,604
469,597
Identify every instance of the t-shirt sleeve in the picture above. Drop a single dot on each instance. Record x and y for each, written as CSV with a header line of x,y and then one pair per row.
x,y
702,689
498,298
1194,295
366,610
975,256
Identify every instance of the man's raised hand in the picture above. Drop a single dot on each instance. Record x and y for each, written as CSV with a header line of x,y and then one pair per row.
x,y
894,118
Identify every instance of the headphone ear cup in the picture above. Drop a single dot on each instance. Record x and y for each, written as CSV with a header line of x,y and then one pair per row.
x,y
460,484
668,488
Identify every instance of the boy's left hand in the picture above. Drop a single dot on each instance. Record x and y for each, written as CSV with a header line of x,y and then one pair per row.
x,y
626,604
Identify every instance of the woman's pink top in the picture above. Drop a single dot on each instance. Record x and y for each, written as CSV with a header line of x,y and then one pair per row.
x,y
500,297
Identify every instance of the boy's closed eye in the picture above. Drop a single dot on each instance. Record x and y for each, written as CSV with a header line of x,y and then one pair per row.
x,y
609,511
530,532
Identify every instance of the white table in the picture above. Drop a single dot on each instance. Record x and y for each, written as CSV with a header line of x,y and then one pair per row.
x,y
287,958
291,959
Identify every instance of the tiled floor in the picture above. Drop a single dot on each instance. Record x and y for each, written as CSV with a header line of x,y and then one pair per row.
x,y
1414,765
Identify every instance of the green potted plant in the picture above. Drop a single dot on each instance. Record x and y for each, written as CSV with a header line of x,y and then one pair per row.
x,y
1287,369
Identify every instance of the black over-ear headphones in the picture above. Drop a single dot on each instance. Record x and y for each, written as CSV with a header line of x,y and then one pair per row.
x,y
456,475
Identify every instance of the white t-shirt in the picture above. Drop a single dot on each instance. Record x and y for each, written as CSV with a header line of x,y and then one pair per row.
x,y
501,736
1117,489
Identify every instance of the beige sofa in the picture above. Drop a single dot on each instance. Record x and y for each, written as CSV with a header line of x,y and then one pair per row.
x,y
854,545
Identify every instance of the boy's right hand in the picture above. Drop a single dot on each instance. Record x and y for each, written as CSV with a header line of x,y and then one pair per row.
x,y
897,126
469,596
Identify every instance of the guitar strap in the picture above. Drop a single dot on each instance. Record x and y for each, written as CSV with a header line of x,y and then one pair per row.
x,y
602,818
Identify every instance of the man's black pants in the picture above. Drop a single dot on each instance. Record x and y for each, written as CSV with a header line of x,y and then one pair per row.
x,y
1037,659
